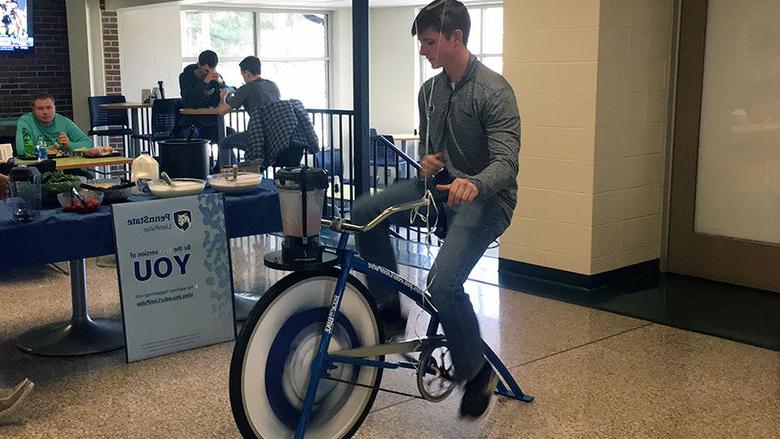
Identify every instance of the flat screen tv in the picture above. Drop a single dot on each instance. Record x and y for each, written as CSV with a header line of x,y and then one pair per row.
x,y
16,25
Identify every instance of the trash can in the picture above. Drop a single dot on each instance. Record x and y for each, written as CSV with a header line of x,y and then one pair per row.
x,y
185,158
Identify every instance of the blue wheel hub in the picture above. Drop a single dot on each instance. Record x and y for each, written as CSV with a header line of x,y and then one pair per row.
x,y
295,347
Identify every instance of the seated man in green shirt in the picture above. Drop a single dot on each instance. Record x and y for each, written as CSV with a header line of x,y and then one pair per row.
x,y
54,128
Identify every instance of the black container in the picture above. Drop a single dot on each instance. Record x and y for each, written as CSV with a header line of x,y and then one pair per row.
x,y
183,158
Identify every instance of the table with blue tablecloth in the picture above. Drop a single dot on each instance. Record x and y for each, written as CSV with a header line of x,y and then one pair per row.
x,y
59,236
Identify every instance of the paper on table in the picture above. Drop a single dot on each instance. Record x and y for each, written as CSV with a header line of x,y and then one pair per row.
x,y
6,152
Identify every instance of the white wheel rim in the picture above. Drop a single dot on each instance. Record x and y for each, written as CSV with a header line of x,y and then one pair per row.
x,y
310,293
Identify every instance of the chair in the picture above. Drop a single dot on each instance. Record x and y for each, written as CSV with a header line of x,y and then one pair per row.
x,y
109,122
165,116
383,155
104,122
289,157
116,122
334,165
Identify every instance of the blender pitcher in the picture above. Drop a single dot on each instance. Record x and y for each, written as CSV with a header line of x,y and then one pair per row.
x,y
26,188
301,197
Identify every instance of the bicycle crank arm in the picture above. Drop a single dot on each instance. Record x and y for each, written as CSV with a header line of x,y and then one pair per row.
x,y
401,347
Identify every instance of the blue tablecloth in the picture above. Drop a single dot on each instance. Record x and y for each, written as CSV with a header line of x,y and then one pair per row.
x,y
59,236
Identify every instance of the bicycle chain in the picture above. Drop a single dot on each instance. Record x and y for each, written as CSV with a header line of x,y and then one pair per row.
x,y
373,387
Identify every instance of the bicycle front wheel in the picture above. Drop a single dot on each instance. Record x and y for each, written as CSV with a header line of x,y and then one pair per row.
x,y
272,359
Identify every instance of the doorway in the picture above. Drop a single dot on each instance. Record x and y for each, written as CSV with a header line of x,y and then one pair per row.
x,y
725,191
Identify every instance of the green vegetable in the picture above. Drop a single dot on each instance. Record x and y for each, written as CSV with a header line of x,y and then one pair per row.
x,y
56,183
59,177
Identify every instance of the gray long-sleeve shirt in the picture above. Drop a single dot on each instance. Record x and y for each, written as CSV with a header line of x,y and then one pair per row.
x,y
477,125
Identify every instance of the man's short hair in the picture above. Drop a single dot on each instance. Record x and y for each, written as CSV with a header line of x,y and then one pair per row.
x,y
443,16
208,57
250,64
40,96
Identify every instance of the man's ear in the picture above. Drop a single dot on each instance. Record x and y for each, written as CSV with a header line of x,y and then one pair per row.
x,y
457,35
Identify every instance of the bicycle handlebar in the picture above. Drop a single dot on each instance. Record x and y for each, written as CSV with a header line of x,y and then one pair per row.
x,y
339,225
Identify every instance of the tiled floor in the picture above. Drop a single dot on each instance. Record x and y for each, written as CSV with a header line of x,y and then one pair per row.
x,y
593,373
738,313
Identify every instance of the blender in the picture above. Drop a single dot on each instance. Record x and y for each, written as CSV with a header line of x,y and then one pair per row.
x,y
26,188
301,197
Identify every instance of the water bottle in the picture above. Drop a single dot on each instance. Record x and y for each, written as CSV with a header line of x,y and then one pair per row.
x,y
41,149
161,89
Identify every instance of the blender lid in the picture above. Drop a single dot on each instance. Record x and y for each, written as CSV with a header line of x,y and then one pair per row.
x,y
291,178
26,173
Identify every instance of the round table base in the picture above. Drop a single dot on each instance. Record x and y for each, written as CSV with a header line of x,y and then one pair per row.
x,y
71,338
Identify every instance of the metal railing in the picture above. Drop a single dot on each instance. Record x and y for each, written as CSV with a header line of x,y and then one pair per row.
x,y
394,165
334,128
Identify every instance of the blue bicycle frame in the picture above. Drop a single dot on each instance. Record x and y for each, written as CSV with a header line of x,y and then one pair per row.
x,y
348,261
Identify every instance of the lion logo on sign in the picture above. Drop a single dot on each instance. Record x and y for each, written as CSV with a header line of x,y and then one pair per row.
x,y
182,219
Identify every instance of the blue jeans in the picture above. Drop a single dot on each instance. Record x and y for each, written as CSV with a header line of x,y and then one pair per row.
x,y
233,141
471,229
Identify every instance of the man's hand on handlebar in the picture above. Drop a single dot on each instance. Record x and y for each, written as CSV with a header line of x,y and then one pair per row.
x,y
462,191
431,164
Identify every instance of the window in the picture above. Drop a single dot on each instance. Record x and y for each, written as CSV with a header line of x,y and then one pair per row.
x,y
229,33
292,46
486,39
294,51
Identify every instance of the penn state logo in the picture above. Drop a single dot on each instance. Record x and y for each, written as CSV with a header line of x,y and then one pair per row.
x,y
182,219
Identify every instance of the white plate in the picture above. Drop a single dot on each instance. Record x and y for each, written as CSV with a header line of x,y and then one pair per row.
x,y
246,181
181,187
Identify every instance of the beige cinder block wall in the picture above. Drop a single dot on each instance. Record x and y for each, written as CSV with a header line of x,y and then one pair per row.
x,y
592,80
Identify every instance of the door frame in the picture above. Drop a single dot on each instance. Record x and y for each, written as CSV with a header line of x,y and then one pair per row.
x,y
725,259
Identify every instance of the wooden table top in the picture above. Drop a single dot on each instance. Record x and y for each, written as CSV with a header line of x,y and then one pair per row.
x,y
81,162
126,105
211,111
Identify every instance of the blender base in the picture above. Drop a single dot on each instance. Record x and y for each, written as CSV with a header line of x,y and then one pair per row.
x,y
274,260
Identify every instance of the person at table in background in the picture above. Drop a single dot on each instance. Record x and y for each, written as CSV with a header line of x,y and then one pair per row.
x,y
200,85
255,93
55,129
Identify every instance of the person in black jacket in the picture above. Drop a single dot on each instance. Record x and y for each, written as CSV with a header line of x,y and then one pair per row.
x,y
200,85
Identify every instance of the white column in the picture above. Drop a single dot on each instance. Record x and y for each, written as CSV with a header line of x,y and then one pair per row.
x,y
85,48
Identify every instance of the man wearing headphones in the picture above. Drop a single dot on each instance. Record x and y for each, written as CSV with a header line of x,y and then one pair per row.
x,y
470,140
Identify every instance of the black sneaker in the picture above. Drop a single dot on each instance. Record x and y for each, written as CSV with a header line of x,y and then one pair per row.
x,y
477,393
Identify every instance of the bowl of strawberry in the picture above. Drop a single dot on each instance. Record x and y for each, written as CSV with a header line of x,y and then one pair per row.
x,y
87,201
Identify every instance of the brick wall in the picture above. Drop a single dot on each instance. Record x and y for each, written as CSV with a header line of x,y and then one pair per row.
x,y
47,68
111,51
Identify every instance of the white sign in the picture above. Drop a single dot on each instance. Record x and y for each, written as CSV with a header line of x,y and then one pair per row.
x,y
174,271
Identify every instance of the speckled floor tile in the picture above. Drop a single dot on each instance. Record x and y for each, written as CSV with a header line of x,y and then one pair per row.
x,y
595,374
761,420
594,391
521,327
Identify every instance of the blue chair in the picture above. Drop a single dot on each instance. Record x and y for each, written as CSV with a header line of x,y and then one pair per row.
x,y
334,165
103,122
165,116
382,155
